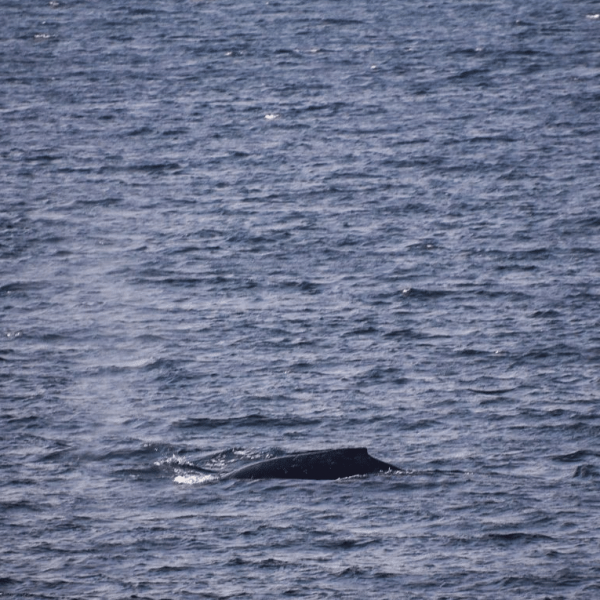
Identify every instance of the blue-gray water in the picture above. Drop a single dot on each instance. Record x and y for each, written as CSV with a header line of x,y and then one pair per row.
x,y
231,230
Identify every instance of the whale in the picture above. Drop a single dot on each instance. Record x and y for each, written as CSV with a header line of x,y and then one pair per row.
x,y
316,464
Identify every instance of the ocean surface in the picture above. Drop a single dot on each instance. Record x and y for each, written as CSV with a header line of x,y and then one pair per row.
x,y
231,230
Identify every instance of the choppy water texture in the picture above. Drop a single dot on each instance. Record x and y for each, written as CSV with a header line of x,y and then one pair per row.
x,y
232,230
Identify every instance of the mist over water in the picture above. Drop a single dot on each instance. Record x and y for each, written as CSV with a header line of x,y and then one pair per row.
x,y
234,230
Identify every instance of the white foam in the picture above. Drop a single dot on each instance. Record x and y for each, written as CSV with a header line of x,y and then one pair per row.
x,y
195,479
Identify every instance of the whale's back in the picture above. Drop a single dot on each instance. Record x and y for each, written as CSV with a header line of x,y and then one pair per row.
x,y
317,464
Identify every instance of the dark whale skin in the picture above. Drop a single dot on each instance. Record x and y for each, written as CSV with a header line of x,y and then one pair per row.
x,y
317,464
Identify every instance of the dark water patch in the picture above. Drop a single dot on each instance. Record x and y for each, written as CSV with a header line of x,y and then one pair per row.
x,y
308,287
345,543
518,537
17,287
469,74
108,201
185,282
406,333
252,420
150,168
366,330
491,139
577,456
378,375
586,470
475,352
546,314
492,392
22,421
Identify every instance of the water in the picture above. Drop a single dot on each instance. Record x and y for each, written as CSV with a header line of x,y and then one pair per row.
x,y
231,230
